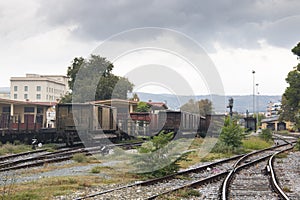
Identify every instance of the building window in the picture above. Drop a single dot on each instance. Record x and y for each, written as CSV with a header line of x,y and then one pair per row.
x,y
15,88
28,109
25,88
38,96
25,96
6,109
15,96
39,110
38,88
47,97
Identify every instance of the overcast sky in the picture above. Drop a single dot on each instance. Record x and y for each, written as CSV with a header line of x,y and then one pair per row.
x,y
239,36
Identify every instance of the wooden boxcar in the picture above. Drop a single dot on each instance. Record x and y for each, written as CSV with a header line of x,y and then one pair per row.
x,y
172,121
84,118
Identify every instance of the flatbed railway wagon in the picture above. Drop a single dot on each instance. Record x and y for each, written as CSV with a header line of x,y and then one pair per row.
x,y
85,121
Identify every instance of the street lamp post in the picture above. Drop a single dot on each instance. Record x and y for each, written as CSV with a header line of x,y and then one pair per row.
x,y
257,103
253,72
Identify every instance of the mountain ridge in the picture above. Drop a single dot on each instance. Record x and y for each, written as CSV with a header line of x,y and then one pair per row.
x,y
240,105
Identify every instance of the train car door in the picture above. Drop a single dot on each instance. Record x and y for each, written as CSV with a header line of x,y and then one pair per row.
x,y
28,118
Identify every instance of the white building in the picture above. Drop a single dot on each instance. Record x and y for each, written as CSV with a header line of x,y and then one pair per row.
x,y
273,109
38,88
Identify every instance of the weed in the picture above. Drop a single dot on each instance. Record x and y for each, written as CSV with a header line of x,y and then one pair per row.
x,y
96,170
286,189
80,158
281,155
256,143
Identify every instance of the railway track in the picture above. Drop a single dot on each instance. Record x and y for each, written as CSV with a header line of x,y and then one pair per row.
x,y
207,176
249,178
151,189
41,157
211,187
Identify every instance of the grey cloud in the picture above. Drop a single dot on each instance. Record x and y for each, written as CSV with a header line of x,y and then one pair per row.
x,y
233,22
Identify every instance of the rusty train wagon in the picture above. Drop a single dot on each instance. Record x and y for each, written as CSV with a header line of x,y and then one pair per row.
x,y
88,120
181,120
172,121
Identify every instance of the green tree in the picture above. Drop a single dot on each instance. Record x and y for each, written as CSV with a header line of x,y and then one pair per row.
x,y
232,134
73,70
286,112
135,98
202,107
296,50
157,154
143,107
291,96
92,79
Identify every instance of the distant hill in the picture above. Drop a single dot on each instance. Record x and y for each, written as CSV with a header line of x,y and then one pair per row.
x,y
241,102
4,89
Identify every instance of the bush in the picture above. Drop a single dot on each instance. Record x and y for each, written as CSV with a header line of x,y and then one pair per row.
x,y
266,135
232,134
96,170
297,146
155,158
80,158
221,147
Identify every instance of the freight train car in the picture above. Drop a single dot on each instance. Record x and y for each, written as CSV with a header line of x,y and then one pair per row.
x,y
171,121
84,121
181,120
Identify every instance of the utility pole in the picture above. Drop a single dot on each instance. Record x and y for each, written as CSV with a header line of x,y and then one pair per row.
x,y
230,105
253,72
257,106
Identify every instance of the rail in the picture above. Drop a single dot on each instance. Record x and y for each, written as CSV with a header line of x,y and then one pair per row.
x,y
273,176
224,190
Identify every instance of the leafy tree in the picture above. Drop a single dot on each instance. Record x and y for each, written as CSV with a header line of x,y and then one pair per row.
x,y
92,79
286,112
202,107
73,70
232,134
143,107
291,96
135,97
296,50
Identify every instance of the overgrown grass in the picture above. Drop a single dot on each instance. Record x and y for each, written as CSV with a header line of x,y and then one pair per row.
x,y
255,143
99,169
11,148
214,156
49,188
283,132
80,158
182,194
282,155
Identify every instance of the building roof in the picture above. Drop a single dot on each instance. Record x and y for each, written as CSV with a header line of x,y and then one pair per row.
x,y
271,119
158,105
16,102
37,77
111,101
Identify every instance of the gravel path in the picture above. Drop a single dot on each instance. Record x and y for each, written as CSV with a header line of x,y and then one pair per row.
x,y
288,172
25,175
